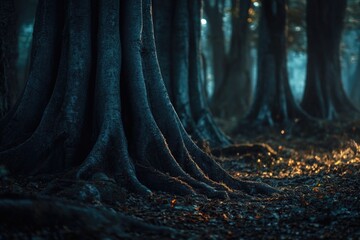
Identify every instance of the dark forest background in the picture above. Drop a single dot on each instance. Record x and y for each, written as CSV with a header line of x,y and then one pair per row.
x,y
229,49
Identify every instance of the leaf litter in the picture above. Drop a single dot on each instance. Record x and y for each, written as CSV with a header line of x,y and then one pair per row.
x,y
317,171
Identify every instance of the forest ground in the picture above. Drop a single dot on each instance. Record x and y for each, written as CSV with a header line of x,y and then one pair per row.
x,y
316,168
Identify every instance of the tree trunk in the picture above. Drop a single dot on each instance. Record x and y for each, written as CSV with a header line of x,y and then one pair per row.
x,y
8,54
217,40
324,95
274,102
232,97
180,63
95,102
355,85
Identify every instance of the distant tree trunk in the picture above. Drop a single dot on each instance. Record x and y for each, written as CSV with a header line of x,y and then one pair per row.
x,y
8,54
274,102
25,11
180,64
95,102
355,85
324,95
232,97
214,14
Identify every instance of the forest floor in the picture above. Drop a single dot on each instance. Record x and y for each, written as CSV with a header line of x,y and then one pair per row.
x,y
316,169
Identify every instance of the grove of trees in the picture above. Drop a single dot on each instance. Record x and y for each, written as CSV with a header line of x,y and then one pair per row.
x,y
116,90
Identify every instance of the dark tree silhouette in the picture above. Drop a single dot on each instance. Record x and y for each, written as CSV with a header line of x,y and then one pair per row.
x,y
25,14
355,85
95,102
274,102
214,14
8,53
233,94
177,37
324,95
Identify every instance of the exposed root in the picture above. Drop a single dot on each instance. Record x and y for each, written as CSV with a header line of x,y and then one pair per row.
x,y
159,181
155,153
34,214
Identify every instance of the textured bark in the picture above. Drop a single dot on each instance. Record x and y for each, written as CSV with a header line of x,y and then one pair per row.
x,y
8,54
25,14
355,86
324,95
29,214
181,70
96,102
274,102
232,98
214,16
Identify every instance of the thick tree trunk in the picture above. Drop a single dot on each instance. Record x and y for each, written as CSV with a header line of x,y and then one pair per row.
x,y
214,16
96,102
25,14
355,85
324,96
180,63
232,98
8,54
274,102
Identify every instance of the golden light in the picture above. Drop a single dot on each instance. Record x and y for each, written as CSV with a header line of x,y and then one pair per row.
x,y
251,12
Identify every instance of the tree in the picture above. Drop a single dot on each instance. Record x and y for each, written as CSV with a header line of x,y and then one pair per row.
x,y
214,14
353,13
95,102
324,95
177,37
232,78
274,102
8,52
355,86
25,14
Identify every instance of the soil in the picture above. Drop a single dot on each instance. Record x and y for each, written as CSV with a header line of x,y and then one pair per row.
x,y
316,168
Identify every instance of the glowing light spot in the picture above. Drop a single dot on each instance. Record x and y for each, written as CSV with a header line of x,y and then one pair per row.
x,y
172,202
297,29
251,12
282,132
203,21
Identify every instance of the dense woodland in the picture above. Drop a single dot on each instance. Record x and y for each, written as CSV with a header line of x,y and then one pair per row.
x,y
181,119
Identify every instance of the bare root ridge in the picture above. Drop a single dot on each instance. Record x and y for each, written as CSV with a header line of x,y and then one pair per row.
x,y
33,214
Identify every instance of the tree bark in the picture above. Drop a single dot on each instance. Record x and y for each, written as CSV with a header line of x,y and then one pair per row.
x,y
96,102
355,85
324,95
31,215
182,60
274,102
8,54
232,98
214,16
